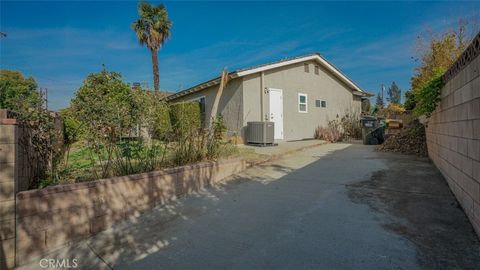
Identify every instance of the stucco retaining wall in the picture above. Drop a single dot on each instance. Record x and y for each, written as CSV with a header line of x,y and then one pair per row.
x,y
453,132
52,217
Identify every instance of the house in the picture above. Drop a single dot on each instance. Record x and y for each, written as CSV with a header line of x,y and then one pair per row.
x,y
298,94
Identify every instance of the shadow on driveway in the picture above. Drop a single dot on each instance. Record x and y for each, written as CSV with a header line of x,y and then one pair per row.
x,y
337,206
420,207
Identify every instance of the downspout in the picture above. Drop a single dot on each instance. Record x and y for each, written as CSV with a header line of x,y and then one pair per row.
x,y
262,93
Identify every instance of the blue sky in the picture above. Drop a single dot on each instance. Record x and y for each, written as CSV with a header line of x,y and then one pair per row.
x,y
59,43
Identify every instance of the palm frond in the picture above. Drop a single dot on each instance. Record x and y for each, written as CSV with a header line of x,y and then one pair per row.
x,y
153,26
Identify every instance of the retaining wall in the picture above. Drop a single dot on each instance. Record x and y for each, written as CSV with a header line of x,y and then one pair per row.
x,y
35,222
54,216
453,132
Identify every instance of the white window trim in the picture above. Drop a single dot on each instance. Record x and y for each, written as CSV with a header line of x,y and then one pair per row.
x,y
306,103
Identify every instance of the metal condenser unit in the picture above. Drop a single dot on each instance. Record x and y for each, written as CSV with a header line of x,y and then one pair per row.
x,y
261,133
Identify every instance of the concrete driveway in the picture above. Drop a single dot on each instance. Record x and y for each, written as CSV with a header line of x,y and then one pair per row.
x,y
336,206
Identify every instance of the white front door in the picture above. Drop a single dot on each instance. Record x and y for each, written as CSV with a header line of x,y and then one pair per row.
x,y
276,111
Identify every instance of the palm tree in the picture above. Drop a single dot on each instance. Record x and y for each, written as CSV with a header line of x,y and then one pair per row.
x,y
153,29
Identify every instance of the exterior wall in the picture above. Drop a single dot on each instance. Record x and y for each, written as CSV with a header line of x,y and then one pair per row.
x,y
242,98
55,216
293,80
453,132
230,105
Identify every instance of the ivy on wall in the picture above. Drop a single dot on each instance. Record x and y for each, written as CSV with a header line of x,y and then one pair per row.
x,y
428,96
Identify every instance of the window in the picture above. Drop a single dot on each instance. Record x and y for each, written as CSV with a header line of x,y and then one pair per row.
x,y
320,103
317,70
202,105
306,66
302,103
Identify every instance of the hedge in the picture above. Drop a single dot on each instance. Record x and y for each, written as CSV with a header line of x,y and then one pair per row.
x,y
162,122
185,117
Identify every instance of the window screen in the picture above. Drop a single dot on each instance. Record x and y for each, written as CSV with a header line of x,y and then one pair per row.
x,y
324,104
317,70
318,103
307,67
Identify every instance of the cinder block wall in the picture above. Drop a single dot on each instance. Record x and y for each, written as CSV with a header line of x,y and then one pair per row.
x,y
52,217
453,132
8,187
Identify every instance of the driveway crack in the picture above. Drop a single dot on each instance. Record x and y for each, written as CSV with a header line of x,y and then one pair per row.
x,y
100,257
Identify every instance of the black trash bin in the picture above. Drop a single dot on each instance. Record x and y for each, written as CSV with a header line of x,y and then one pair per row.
x,y
372,130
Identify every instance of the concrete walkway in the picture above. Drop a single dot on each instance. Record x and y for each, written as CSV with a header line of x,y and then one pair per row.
x,y
336,206
283,147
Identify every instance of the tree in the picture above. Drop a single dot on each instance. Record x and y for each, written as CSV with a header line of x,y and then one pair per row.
x,y
379,102
105,105
436,53
18,93
409,100
72,130
394,94
153,30
107,109
38,142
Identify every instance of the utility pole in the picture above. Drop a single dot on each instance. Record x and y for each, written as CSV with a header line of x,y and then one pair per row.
x,y
383,88
46,99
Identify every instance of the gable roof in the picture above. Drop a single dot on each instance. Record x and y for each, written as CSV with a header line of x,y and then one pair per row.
x,y
284,62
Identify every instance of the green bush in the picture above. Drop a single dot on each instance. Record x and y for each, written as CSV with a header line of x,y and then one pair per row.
x,y
72,127
156,114
18,93
133,156
427,96
108,109
162,124
216,133
185,117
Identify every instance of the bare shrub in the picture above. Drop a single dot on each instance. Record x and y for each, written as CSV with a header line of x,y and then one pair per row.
x,y
351,126
332,133
196,144
340,129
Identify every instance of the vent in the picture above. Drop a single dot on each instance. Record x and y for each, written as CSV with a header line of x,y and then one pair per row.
x,y
261,133
306,66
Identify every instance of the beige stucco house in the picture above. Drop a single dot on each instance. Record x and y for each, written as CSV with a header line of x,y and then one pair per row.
x,y
298,94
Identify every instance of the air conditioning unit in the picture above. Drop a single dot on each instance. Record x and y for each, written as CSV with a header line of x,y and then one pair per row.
x,y
260,133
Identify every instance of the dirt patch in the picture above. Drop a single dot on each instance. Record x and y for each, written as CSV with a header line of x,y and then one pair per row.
x,y
418,205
